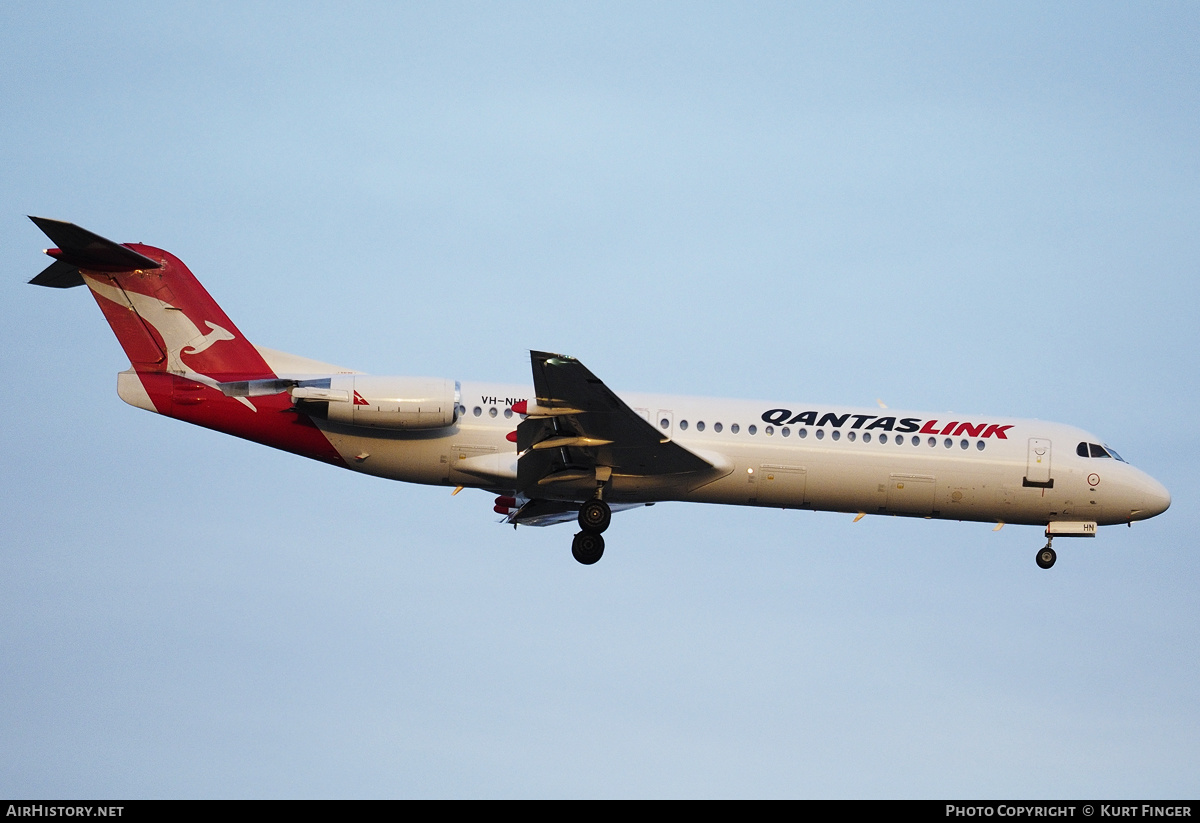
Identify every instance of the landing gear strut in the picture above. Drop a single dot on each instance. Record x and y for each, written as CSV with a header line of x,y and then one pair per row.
x,y
1046,555
587,547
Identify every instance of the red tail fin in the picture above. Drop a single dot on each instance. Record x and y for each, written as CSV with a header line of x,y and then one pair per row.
x,y
163,317
181,344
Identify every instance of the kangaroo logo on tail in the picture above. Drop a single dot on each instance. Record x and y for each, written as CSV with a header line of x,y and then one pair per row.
x,y
154,305
215,336
179,334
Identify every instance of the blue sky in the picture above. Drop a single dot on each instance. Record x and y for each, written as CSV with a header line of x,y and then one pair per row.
x,y
987,208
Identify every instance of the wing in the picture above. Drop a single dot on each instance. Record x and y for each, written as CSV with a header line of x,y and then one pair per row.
x,y
581,434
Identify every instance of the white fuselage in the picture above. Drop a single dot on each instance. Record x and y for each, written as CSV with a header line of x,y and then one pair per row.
x,y
876,461
586,450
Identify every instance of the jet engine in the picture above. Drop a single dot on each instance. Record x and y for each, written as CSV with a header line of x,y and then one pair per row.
x,y
404,403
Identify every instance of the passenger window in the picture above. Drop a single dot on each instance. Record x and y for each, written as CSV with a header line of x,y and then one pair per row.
x,y
700,426
492,412
785,431
820,434
850,436
836,434
753,429
477,411
683,425
717,427
735,428
665,423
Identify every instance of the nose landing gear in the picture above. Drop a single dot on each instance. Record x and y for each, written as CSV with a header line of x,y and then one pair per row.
x,y
1046,555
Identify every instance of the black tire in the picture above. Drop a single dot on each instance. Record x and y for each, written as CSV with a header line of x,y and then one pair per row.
x,y
594,516
587,548
1046,557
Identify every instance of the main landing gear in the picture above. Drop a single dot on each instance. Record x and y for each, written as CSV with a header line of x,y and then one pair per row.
x,y
594,516
1046,555
587,548
588,545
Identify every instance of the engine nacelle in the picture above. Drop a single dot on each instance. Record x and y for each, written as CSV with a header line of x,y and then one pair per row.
x,y
386,402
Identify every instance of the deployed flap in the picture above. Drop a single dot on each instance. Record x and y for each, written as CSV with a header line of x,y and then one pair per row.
x,y
549,512
581,431
81,249
544,513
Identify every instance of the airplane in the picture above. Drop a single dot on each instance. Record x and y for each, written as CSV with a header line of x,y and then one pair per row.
x,y
567,448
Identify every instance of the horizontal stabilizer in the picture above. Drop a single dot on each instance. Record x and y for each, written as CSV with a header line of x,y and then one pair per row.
x,y
59,275
81,249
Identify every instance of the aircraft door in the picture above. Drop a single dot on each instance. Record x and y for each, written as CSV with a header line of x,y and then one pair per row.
x,y
1037,464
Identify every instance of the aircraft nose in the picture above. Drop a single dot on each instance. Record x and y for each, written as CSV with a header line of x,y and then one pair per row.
x,y
1155,499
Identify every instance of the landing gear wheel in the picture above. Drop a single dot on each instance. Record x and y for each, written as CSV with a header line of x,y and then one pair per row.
x,y
594,516
587,548
1046,557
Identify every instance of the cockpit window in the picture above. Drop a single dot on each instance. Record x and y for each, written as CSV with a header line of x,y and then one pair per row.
x,y
1096,450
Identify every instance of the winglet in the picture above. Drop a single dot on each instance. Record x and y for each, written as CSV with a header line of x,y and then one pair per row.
x,y
78,249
